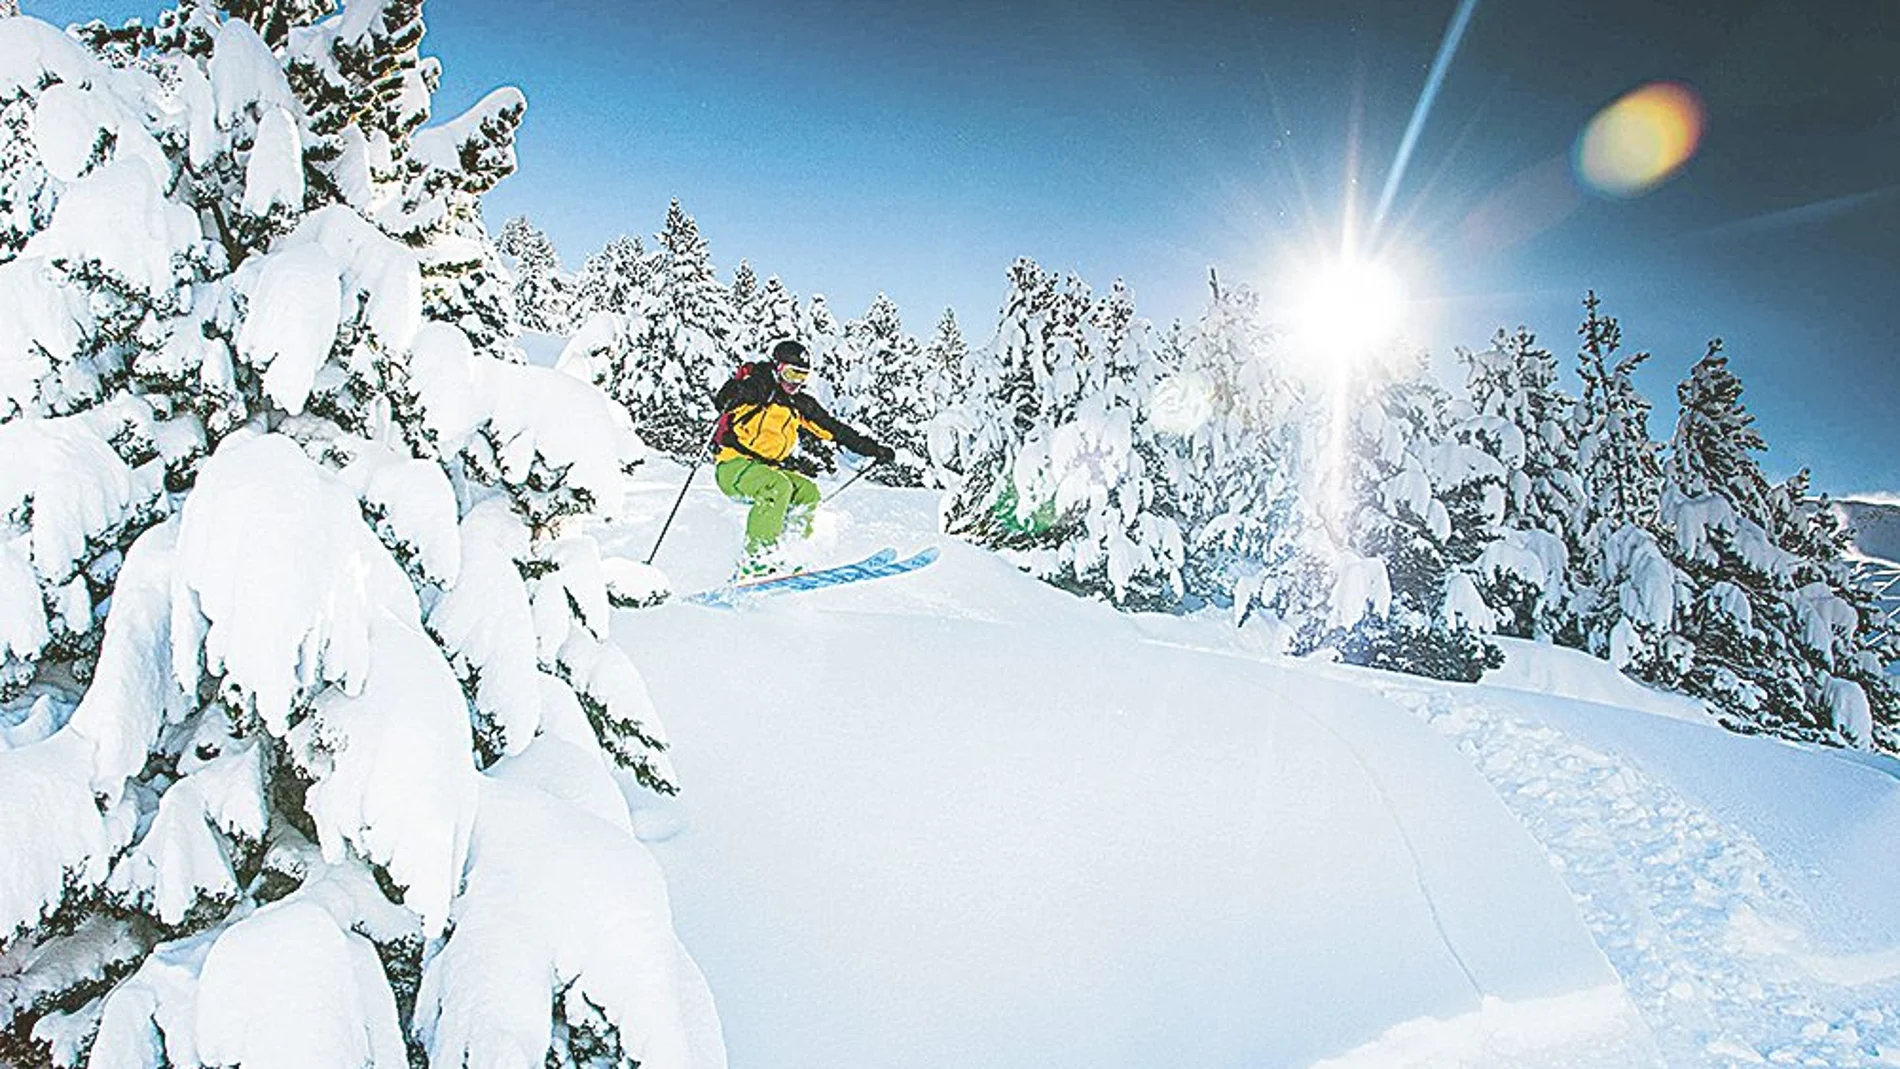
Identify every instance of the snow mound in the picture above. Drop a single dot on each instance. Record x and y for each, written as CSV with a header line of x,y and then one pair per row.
x,y
277,634
1567,673
484,997
287,987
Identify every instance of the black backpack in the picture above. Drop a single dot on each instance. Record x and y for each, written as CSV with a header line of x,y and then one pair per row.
x,y
728,399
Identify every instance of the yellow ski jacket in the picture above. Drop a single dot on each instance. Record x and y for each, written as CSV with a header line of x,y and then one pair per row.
x,y
761,420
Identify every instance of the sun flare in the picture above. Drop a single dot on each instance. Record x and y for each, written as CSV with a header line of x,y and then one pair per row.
x,y
1345,311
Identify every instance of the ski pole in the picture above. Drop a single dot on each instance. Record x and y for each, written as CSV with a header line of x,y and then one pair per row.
x,y
698,459
676,507
847,483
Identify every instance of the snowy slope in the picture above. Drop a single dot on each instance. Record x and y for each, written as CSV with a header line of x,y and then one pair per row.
x,y
1875,520
959,817
1876,523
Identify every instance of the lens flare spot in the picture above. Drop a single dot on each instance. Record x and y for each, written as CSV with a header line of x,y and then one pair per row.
x,y
1642,139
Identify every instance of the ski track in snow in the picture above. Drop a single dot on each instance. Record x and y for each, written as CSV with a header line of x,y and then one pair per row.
x,y
1689,911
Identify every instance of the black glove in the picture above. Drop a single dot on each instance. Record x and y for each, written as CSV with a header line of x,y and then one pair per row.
x,y
882,453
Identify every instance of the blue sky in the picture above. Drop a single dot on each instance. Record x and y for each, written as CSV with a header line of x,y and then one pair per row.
x,y
854,146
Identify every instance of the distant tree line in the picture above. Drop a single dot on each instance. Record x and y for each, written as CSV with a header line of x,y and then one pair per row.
x,y
1382,518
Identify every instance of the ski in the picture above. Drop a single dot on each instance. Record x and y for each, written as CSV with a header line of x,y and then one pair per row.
x,y
876,566
747,586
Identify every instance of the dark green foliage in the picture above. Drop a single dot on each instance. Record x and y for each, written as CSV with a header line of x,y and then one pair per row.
x,y
402,964
1434,651
625,739
1619,461
585,1039
274,19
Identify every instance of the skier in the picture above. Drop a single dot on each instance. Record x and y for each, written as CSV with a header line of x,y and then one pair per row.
x,y
762,408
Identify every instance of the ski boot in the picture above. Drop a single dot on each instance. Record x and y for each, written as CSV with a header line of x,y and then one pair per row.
x,y
765,562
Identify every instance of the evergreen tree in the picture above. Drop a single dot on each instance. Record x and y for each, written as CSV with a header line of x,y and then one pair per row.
x,y
542,292
464,281
1866,645
1023,385
26,191
774,318
609,312
744,295
1774,645
1244,464
821,333
868,347
275,19
1052,458
765,313
947,356
1521,420
895,402
1108,469
1627,590
1620,462
1424,616
283,581
614,280
681,351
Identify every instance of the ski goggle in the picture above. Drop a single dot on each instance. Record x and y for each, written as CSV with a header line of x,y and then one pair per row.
x,y
793,374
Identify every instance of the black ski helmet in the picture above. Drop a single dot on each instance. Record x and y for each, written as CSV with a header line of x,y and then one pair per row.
x,y
791,353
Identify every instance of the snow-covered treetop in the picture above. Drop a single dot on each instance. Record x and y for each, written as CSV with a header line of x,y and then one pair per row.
x,y
1714,437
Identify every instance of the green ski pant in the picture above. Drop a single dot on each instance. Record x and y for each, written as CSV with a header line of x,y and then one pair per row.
x,y
772,492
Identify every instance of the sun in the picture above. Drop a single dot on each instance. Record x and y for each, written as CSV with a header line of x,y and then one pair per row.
x,y
1344,311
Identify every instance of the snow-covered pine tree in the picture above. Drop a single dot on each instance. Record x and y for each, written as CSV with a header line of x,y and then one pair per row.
x,y
765,313
950,430
463,279
682,352
1023,385
1627,590
317,734
774,317
543,294
947,355
1866,647
821,333
1244,441
866,346
26,192
1422,615
743,295
613,280
896,404
371,92
1108,469
1768,630
1521,419
1621,463
608,314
